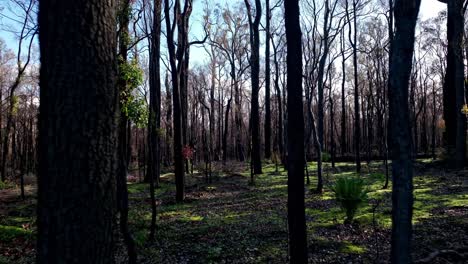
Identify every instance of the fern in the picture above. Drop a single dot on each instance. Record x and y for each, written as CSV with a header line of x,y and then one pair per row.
x,y
350,192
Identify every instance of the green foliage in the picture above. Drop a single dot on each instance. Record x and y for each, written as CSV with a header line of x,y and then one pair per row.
x,y
5,185
133,106
131,74
8,233
350,193
137,111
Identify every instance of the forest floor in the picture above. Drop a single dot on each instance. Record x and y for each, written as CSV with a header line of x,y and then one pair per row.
x,y
232,221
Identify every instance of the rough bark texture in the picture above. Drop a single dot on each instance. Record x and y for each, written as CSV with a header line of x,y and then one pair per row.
x,y
296,211
399,131
77,126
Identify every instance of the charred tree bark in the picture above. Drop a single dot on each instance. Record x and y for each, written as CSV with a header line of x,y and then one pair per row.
x,y
154,120
296,210
77,132
177,104
399,131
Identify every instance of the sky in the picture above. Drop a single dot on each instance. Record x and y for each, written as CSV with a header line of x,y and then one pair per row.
x,y
429,8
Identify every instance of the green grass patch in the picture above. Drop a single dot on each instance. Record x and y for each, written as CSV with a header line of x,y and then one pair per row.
x,y
8,233
351,248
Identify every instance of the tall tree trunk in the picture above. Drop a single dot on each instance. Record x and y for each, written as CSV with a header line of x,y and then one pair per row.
x,y
154,120
450,83
455,29
343,96
177,116
357,125
280,105
124,153
267,82
77,132
296,211
399,131
255,78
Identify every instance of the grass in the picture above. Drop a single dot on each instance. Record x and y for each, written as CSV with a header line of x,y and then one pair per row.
x,y
9,233
231,221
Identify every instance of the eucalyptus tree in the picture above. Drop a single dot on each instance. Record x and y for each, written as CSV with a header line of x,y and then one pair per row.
x,y
296,209
406,14
77,132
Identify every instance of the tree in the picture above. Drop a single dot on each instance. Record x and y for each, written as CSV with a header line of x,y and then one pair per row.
x,y
296,211
255,78
357,116
454,89
154,120
267,82
129,78
27,34
77,132
176,68
399,131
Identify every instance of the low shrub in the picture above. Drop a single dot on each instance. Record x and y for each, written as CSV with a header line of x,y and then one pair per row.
x,y
350,193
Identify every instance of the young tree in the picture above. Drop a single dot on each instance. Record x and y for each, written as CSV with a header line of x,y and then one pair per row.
x,y
27,34
296,211
399,131
77,132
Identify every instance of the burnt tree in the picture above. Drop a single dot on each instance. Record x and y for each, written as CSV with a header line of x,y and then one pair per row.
x,y
77,132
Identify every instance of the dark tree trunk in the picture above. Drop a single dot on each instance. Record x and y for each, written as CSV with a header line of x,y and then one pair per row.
x,y
296,211
399,131
280,105
357,125
343,97
124,148
455,77
169,134
451,85
267,82
77,132
176,96
255,78
226,129
154,120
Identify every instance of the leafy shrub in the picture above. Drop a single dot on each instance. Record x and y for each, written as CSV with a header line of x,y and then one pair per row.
x,y
5,185
350,192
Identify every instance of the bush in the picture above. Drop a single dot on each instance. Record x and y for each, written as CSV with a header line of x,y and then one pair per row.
x,y
5,185
350,193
